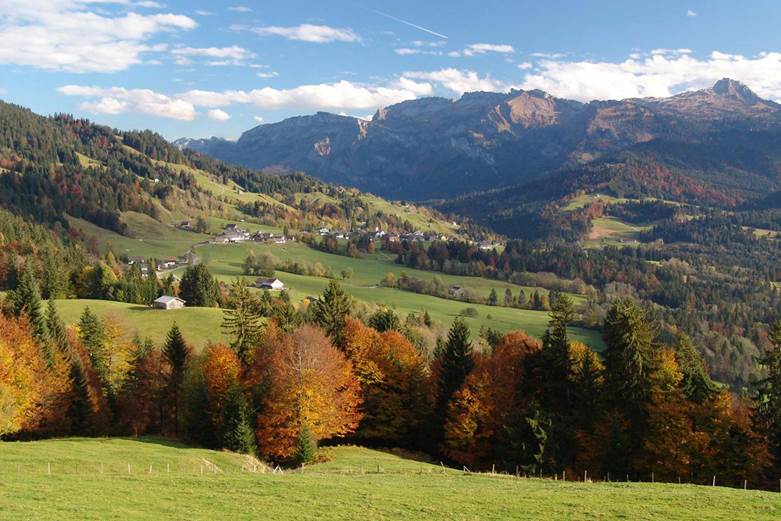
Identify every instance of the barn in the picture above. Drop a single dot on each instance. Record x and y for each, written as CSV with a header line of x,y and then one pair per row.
x,y
270,283
168,302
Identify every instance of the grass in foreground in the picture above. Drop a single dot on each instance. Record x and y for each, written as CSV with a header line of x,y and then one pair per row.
x,y
349,486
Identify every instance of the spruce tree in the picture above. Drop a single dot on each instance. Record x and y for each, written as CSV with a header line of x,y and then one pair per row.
x,y
175,353
242,320
27,301
508,297
92,334
628,355
385,319
56,327
331,310
455,361
237,432
198,287
306,446
493,299
697,385
767,397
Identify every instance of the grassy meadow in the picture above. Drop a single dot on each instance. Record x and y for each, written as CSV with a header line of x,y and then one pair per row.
x,y
90,479
199,325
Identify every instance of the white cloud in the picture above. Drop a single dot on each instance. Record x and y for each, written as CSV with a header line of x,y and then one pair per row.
x,y
342,95
117,100
259,119
63,35
218,115
233,55
409,51
659,73
691,13
525,66
309,33
240,9
482,48
339,96
267,75
202,12
458,81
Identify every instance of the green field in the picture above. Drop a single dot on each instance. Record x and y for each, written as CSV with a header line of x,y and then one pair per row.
x,y
199,325
151,478
147,237
225,262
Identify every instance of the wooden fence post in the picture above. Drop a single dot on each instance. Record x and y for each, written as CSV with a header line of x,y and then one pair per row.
x,y
585,476
49,468
564,475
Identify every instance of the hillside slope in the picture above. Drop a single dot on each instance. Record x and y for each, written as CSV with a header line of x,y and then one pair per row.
x,y
167,480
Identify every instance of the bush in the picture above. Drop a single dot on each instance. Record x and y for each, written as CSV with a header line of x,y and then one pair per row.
x,y
469,312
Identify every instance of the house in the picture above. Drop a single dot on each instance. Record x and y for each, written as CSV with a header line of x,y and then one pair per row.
x,y
455,291
270,283
136,260
168,263
168,302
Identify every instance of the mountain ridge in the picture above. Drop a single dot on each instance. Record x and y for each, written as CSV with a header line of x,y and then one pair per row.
x,y
434,147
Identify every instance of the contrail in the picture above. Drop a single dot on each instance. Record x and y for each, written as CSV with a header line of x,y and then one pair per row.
x,y
429,31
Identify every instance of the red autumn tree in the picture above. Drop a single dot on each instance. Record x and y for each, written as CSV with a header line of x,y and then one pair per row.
x,y
312,385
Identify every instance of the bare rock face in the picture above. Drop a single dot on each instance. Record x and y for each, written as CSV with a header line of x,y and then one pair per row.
x,y
436,147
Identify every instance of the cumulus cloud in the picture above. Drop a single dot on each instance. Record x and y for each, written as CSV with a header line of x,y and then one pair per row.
x,y
458,81
691,13
309,33
63,35
658,73
218,115
342,95
233,55
482,48
339,96
525,66
259,119
117,100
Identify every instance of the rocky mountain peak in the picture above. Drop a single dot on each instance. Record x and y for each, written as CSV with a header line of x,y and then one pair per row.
x,y
735,90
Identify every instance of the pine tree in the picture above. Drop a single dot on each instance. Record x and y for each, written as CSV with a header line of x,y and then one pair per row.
x,y
198,287
697,385
454,362
242,320
56,327
767,396
628,355
306,446
493,299
385,319
93,335
331,310
508,297
27,300
175,353
237,432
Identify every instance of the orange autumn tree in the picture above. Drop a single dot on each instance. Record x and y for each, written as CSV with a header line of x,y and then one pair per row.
x,y
32,393
311,386
394,382
221,370
479,411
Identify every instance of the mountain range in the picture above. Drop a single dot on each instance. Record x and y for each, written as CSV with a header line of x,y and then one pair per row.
x,y
718,145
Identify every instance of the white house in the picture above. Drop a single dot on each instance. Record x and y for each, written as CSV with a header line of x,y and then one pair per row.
x,y
168,302
270,283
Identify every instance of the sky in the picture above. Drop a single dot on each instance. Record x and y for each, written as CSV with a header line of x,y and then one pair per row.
x,y
196,68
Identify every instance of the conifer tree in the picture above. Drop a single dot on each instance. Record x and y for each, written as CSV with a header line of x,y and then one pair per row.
x,y
454,362
767,396
508,297
697,385
306,446
27,300
493,299
238,434
385,319
241,320
93,335
56,327
198,287
331,310
175,354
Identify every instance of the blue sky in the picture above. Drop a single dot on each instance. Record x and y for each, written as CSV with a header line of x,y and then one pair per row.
x,y
197,68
